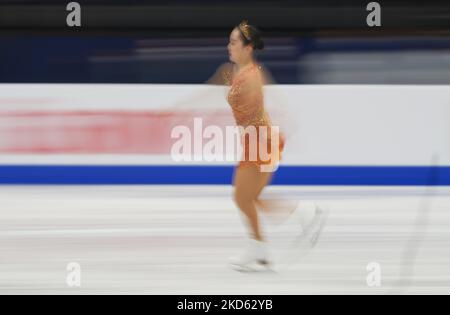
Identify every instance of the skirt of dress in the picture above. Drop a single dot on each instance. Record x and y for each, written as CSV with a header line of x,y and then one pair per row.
x,y
263,147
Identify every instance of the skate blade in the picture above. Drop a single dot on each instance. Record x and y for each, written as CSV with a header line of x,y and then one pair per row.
x,y
303,240
316,235
263,266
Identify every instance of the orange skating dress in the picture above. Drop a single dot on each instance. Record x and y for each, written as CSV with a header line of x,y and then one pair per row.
x,y
247,103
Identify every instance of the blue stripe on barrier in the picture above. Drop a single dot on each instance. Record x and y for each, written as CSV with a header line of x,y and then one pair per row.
x,y
221,175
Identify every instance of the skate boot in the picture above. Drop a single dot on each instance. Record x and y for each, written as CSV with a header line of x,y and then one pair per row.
x,y
254,258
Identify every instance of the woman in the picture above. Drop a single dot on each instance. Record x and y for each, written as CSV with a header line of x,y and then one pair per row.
x,y
246,79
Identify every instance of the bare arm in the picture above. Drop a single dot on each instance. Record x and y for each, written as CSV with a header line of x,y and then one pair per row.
x,y
204,101
222,76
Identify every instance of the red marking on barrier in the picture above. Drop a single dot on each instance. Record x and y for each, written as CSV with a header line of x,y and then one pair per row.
x,y
95,132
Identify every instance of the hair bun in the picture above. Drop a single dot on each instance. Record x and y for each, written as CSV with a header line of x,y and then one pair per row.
x,y
251,35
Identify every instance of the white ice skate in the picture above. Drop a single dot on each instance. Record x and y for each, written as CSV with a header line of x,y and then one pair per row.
x,y
312,226
255,258
307,223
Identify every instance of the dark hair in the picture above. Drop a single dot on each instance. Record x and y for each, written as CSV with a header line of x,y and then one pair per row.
x,y
250,35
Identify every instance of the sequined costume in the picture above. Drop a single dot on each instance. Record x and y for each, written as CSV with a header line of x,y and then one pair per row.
x,y
247,103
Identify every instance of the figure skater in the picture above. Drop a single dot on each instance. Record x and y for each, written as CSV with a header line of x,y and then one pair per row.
x,y
246,79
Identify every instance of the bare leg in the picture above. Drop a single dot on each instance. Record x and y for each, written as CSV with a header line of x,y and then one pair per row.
x,y
249,182
278,210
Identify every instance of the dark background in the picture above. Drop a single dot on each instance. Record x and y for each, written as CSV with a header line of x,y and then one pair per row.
x,y
308,42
